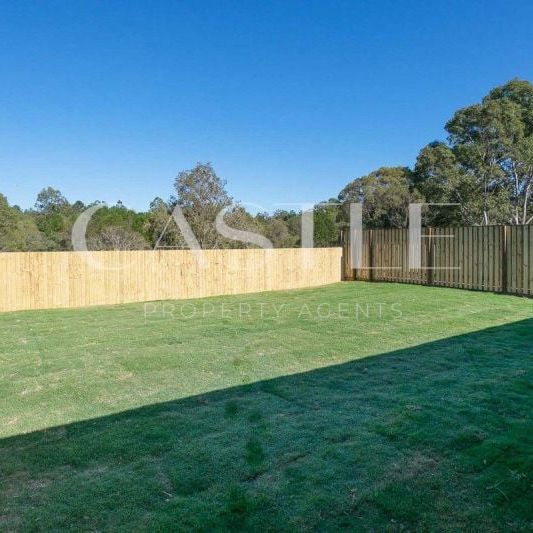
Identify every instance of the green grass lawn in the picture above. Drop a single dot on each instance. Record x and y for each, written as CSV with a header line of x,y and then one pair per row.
x,y
357,405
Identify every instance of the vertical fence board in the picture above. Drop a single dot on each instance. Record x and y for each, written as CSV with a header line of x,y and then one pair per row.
x,y
530,260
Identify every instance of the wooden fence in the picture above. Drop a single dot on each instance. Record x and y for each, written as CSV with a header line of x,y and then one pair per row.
x,y
40,280
486,258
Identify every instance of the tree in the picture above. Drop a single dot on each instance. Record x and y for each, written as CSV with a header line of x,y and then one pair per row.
x,y
160,228
293,220
385,193
440,179
326,230
78,206
54,217
50,200
117,238
521,93
516,127
276,230
493,144
487,164
18,231
117,216
201,194
117,228
236,217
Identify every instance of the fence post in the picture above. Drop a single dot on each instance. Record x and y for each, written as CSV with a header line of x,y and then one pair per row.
x,y
343,254
371,255
351,243
504,237
347,271
429,256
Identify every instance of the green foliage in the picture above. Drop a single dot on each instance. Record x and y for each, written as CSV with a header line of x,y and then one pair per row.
x,y
292,219
282,228
386,193
118,228
488,165
486,168
54,217
159,227
326,230
50,200
440,179
201,194
18,231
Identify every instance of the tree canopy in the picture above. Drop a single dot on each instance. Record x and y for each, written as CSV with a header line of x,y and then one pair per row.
x,y
487,163
386,194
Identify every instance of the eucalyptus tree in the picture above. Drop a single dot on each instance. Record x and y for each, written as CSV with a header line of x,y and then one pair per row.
x,y
487,164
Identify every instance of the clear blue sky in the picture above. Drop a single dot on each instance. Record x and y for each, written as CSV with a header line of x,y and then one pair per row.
x,y
289,100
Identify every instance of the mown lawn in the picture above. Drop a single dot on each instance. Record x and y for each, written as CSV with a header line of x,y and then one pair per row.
x,y
359,406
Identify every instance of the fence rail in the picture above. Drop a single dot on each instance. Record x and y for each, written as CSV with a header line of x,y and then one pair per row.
x,y
486,258
41,280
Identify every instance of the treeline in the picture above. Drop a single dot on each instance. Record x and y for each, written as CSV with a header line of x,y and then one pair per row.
x,y
48,226
485,168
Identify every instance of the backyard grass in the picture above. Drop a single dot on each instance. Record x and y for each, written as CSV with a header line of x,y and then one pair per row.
x,y
357,405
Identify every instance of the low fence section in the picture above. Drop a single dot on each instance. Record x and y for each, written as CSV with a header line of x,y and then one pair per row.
x,y
42,280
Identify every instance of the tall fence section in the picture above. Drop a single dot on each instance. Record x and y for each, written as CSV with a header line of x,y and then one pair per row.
x,y
42,280
485,258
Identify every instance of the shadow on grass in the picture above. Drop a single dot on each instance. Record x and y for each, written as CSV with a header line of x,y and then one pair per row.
x,y
437,436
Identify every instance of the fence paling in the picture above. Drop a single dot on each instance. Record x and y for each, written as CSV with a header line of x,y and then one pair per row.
x,y
487,258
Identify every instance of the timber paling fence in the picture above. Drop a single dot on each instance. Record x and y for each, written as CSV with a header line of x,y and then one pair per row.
x,y
43,280
485,258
